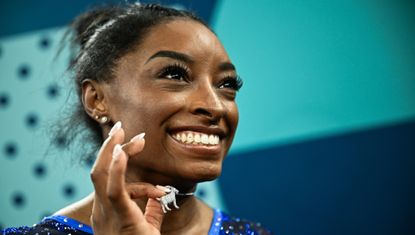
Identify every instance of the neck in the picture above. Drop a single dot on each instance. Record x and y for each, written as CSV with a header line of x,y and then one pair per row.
x,y
191,211
192,217
186,218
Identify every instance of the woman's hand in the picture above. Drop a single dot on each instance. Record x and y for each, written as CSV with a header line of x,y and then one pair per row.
x,y
114,211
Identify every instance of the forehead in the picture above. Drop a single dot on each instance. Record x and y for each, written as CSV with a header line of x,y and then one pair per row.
x,y
181,35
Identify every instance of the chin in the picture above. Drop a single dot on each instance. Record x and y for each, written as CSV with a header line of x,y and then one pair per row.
x,y
203,172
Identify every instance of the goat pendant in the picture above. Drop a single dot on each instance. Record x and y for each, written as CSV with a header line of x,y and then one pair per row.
x,y
169,198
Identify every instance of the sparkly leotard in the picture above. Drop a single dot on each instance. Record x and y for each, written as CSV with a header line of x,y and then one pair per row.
x,y
222,224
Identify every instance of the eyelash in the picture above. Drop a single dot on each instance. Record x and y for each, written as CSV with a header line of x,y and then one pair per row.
x,y
175,69
232,82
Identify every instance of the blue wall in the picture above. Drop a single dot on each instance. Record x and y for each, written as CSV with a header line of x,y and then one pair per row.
x,y
355,183
327,131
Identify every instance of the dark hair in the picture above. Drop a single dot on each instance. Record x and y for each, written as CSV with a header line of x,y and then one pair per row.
x,y
99,38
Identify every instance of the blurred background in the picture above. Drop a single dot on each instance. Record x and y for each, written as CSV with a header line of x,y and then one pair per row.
x,y
326,141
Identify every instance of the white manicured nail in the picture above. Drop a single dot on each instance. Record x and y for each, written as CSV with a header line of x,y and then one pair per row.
x,y
163,188
138,137
115,128
117,152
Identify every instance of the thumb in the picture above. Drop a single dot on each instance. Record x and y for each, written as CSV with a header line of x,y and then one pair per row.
x,y
153,213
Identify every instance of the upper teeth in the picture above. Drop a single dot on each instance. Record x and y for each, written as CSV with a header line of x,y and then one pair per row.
x,y
190,137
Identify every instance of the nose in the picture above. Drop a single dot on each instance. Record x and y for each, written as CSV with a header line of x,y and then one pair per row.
x,y
206,103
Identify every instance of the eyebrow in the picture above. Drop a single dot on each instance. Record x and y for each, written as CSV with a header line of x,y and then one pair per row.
x,y
171,54
225,66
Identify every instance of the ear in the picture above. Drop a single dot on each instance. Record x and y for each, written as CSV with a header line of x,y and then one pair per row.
x,y
93,99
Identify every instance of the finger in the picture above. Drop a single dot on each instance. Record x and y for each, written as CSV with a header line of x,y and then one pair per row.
x,y
154,213
135,145
116,190
99,171
145,190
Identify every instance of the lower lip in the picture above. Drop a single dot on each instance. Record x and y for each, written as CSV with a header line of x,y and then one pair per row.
x,y
199,150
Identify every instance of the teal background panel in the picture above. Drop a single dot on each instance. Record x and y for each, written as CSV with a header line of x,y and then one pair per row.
x,y
356,183
318,68
33,183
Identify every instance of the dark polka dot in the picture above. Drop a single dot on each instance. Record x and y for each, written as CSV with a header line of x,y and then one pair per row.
x,y
1,226
32,120
24,71
10,150
39,170
53,91
44,43
18,200
4,100
201,193
69,190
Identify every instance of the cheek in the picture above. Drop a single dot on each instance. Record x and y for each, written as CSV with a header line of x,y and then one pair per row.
x,y
233,115
232,119
147,111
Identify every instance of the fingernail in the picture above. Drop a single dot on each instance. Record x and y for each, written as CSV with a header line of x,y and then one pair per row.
x,y
138,137
167,190
115,128
116,152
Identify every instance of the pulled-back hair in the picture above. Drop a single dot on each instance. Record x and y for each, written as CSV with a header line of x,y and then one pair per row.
x,y
99,38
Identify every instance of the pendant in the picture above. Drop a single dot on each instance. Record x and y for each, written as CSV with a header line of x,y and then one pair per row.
x,y
170,198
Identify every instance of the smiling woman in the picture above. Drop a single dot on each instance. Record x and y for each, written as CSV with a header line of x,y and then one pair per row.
x,y
159,73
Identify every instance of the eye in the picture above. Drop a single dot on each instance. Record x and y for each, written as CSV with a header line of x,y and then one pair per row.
x,y
175,72
234,83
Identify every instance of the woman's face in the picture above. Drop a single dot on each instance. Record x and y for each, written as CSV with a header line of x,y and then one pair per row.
x,y
178,87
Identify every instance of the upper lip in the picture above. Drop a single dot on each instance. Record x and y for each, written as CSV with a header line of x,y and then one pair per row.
x,y
203,129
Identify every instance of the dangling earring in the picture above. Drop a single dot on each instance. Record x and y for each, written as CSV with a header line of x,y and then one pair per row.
x,y
102,120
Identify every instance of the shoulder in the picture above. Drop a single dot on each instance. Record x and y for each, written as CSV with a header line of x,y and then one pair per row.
x,y
46,226
225,224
